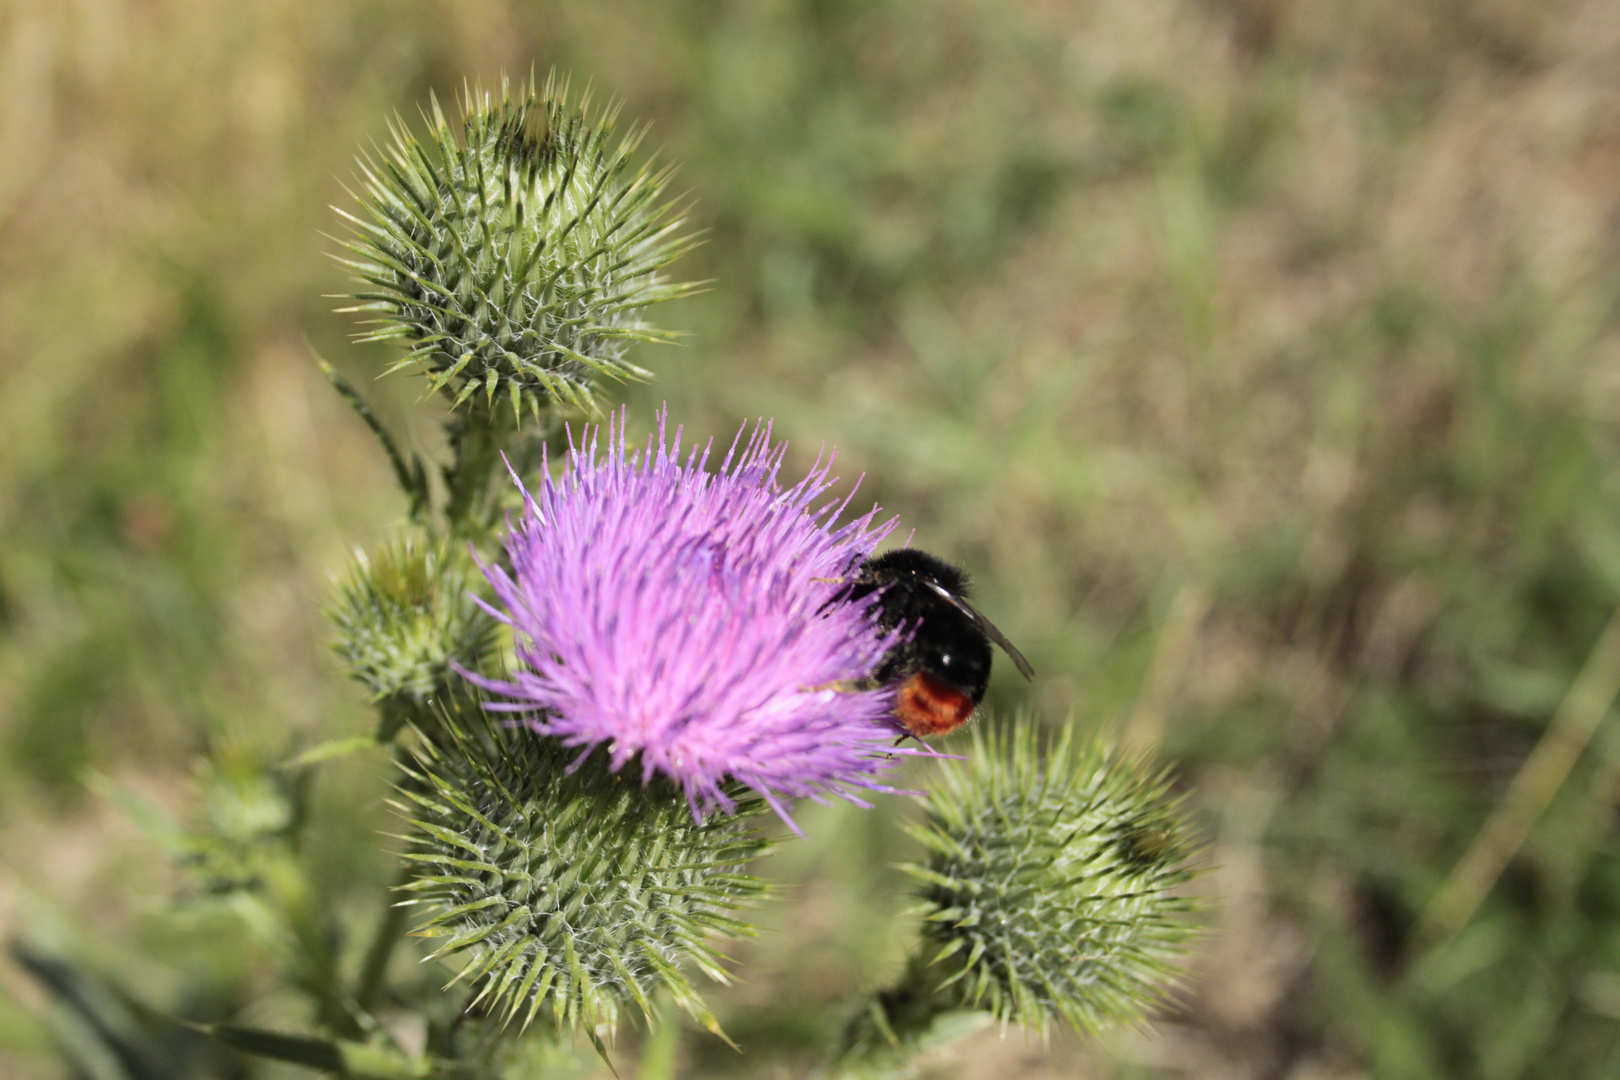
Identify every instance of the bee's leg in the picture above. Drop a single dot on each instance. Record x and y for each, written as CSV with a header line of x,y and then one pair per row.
x,y
845,686
903,737
831,580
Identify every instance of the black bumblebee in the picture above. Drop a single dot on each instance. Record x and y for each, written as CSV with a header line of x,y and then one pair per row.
x,y
942,671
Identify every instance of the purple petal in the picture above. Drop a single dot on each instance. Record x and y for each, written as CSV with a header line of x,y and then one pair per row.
x,y
676,615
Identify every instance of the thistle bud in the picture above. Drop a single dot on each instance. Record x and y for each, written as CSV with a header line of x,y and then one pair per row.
x,y
570,890
1051,890
515,261
405,613
1051,884
249,813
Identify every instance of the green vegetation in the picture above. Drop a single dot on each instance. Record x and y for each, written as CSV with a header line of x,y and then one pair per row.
x,y
1259,358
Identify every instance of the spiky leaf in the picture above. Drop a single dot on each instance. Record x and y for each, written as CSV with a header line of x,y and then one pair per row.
x,y
514,262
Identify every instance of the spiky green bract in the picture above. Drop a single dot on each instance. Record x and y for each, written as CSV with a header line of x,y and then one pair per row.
x,y
514,262
1051,884
572,891
404,613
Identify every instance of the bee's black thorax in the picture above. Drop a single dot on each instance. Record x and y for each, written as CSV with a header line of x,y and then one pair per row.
x,y
944,642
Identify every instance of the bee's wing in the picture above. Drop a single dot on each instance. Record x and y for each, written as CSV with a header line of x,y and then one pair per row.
x,y
989,629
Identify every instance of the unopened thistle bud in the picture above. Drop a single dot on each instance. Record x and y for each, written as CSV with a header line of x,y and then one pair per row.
x,y
249,812
514,262
1051,884
571,890
1051,890
405,612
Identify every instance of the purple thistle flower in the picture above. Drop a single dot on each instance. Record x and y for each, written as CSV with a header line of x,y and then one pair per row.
x,y
684,616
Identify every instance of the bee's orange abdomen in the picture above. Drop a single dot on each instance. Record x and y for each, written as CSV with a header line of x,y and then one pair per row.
x,y
927,706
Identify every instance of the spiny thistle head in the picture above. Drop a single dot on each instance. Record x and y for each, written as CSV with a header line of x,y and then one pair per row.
x,y
405,612
572,890
687,617
1051,884
514,262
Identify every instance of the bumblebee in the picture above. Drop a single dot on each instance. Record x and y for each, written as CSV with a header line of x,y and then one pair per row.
x,y
941,672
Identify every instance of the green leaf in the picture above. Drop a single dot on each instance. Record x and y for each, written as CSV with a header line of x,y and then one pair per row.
x,y
412,478
322,1054
334,748
341,1057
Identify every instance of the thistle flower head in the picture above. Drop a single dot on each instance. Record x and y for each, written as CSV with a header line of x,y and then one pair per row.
x,y
513,262
572,892
1050,887
405,613
688,617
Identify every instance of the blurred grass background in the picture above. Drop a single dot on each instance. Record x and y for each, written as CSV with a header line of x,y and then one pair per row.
x,y
1260,357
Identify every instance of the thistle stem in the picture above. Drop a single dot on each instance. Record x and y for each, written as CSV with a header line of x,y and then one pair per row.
x,y
374,970
892,1022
